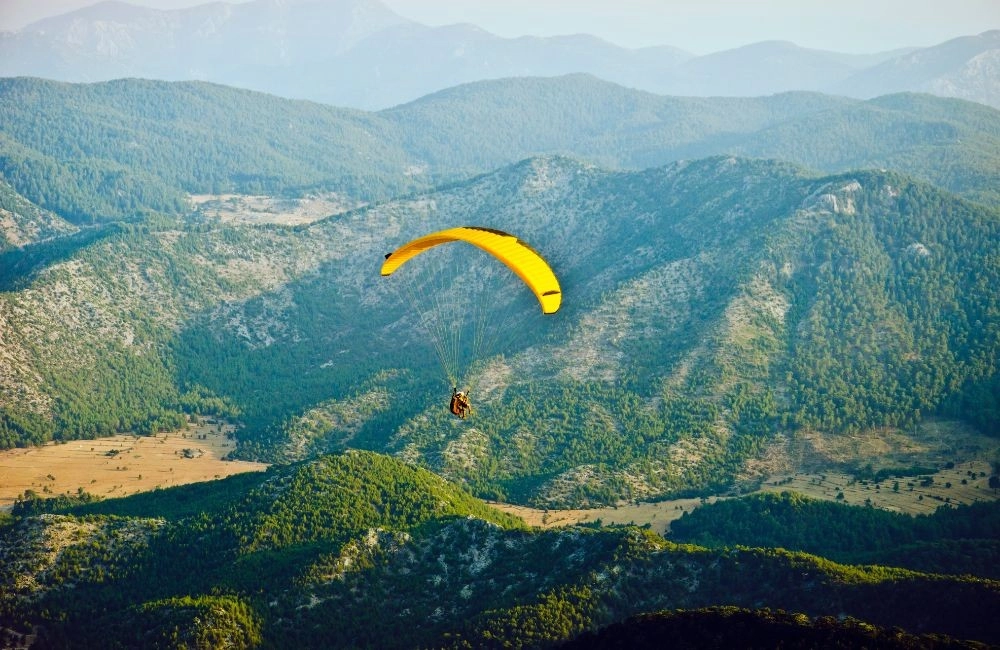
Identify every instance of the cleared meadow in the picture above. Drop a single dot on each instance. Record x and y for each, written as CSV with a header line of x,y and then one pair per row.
x,y
912,495
126,464
120,465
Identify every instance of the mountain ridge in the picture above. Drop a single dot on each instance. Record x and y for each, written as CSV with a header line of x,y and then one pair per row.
x,y
136,147
254,44
741,251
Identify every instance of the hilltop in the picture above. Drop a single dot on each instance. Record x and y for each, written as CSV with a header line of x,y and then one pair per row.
x,y
361,54
363,549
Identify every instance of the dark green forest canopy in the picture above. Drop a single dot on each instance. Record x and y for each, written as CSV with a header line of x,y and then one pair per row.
x,y
119,149
363,549
733,627
962,540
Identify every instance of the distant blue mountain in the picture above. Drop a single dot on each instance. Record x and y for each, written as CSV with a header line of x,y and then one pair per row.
x,y
360,54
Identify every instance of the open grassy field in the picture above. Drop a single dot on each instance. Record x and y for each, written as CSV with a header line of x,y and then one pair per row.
x,y
958,457
914,496
126,464
120,465
239,208
657,515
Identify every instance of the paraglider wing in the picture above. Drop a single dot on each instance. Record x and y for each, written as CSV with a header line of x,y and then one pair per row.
x,y
518,256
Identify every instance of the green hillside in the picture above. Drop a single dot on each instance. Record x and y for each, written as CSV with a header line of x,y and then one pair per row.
x,y
484,125
732,627
960,541
950,143
711,307
124,149
235,539
120,149
363,550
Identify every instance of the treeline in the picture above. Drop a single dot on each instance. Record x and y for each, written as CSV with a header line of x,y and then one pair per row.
x,y
734,627
959,540
121,394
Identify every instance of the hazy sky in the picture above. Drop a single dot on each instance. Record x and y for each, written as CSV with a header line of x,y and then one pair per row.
x,y
699,26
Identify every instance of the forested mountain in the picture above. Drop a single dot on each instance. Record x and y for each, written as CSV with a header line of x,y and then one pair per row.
x,y
121,150
711,307
955,68
965,541
736,275
363,550
950,143
358,53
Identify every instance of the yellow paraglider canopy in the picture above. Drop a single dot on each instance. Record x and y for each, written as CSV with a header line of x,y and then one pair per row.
x,y
518,256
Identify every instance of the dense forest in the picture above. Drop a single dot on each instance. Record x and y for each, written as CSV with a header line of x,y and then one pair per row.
x,y
361,549
737,628
954,541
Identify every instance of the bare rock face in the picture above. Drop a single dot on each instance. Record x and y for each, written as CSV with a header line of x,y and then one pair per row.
x,y
975,80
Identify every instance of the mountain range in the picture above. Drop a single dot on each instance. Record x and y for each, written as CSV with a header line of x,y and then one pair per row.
x,y
713,306
358,53
130,147
753,288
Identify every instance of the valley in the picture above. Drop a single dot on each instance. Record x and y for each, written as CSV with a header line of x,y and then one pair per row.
x,y
260,209
121,465
939,464
917,495
774,309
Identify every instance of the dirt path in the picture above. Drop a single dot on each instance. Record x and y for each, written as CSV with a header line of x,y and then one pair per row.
x,y
120,465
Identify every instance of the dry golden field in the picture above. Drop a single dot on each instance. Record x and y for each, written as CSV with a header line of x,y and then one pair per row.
x,y
657,515
913,497
126,464
120,465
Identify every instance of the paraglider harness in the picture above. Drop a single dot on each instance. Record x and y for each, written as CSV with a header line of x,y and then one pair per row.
x,y
460,405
